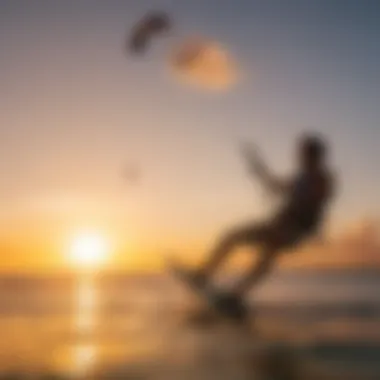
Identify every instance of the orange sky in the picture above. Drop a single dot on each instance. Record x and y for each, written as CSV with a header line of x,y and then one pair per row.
x,y
77,110
46,249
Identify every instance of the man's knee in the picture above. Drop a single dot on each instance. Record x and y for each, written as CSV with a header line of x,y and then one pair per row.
x,y
243,235
269,256
232,237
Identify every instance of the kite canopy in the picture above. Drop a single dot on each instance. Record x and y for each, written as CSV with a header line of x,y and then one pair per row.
x,y
151,25
205,63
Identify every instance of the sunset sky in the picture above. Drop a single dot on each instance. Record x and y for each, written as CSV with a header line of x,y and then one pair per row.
x,y
77,109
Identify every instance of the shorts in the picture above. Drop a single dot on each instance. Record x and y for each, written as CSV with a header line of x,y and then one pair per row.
x,y
274,235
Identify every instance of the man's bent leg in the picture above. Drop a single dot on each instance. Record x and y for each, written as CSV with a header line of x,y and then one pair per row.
x,y
279,239
233,302
258,271
231,240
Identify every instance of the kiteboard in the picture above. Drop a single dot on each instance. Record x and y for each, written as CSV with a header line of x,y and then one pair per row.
x,y
210,296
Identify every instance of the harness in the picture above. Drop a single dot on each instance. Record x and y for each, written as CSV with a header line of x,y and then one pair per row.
x,y
300,211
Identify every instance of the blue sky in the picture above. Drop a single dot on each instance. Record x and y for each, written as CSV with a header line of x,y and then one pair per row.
x,y
76,108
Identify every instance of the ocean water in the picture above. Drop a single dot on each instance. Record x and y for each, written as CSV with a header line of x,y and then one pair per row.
x,y
312,325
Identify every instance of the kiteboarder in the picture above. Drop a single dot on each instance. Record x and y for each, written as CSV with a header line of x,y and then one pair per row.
x,y
305,199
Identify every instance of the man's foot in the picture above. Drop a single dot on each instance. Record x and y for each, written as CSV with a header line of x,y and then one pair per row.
x,y
233,306
198,278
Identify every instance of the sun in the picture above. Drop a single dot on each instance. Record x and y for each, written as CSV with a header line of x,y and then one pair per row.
x,y
89,250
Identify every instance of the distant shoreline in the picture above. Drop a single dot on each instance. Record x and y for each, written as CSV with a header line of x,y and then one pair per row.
x,y
305,271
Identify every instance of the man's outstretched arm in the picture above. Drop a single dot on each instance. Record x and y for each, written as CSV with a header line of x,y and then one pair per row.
x,y
257,167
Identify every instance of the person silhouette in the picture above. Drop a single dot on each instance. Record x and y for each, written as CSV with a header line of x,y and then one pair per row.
x,y
304,201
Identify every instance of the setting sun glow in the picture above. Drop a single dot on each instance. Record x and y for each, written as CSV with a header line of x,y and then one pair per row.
x,y
89,250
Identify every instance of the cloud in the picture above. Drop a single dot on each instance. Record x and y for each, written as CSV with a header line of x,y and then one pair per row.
x,y
356,246
205,64
361,243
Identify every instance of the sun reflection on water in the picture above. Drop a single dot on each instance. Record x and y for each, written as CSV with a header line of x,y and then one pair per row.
x,y
84,354
85,307
84,359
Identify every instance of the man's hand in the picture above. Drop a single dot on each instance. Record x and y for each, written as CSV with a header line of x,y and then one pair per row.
x,y
249,152
256,166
